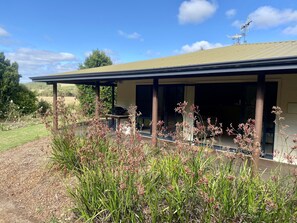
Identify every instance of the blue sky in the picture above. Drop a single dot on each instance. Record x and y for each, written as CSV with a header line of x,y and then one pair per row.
x,y
55,36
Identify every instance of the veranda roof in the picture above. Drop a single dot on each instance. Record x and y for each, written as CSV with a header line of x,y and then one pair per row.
x,y
273,57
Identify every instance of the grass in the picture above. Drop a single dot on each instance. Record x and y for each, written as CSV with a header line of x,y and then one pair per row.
x,y
68,100
16,137
42,89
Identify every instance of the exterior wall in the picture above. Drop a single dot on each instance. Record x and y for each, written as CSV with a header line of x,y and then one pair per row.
x,y
286,99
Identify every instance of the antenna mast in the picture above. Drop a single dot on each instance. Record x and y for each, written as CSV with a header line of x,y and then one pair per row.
x,y
236,38
244,29
243,33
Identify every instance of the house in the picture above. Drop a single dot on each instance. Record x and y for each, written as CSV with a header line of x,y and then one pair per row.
x,y
231,83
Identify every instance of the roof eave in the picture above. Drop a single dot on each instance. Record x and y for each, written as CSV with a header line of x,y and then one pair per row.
x,y
247,67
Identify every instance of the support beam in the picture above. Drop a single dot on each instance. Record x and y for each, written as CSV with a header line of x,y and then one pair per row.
x,y
112,97
97,100
259,119
155,111
112,103
55,107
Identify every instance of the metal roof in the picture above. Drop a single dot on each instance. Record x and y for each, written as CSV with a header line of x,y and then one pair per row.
x,y
263,56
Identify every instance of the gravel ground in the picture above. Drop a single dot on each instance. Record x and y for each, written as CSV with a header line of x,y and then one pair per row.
x,y
30,191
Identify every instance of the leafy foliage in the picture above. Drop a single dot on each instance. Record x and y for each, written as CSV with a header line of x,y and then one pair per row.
x,y
125,180
43,106
96,59
86,94
12,91
25,99
9,79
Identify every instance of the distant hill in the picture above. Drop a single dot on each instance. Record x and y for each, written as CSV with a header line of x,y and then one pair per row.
x,y
42,89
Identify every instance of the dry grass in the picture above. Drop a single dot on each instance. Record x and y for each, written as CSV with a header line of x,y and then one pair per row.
x,y
68,100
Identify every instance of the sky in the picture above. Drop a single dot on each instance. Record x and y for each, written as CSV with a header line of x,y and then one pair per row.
x,y
53,36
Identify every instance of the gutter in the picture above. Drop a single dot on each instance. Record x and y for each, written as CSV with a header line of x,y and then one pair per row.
x,y
247,67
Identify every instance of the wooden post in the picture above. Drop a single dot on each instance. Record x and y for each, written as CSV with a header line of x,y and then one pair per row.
x,y
112,104
55,107
259,120
112,97
97,100
155,112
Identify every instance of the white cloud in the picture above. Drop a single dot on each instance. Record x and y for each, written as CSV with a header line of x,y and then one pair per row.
x,y
133,36
88,53
195,11
3,32
35,56
291,30
267,17
231,13
113,56
237,23
33,62
199,45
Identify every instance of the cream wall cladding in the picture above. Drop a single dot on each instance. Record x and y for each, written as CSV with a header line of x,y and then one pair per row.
x,y
287,100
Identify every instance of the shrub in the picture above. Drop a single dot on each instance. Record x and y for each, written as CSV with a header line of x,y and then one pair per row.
x,y
26,100
71,149
86,94
86,97
23,102
13,113
64,153
122,180
43,106
12,90
171,189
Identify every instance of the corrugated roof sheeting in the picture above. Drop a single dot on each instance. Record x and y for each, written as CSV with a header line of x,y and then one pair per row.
x,y
232,53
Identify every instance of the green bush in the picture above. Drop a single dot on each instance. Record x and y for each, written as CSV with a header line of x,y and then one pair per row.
x,y
124,180
26,100
86,97
86,93
43,106
64,154
12,91
170,189
23,102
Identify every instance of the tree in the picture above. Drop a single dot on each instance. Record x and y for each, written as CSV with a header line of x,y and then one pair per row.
x,y
12,91
86,94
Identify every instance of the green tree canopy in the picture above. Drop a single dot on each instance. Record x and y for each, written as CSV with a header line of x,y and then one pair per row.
x,y
12,91
86,94
96,59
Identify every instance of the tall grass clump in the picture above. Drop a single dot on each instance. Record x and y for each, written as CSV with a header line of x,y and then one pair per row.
x,y
122,179
75,145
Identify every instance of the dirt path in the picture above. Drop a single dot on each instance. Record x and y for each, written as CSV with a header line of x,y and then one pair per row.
x,y
29,190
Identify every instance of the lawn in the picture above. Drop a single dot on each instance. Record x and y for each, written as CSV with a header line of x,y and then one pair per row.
x,y
16,137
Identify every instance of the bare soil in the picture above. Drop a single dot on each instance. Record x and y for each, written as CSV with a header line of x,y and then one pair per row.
x,y
30,191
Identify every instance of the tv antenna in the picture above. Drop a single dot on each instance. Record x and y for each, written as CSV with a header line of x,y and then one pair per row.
x,y
236,38
244,29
